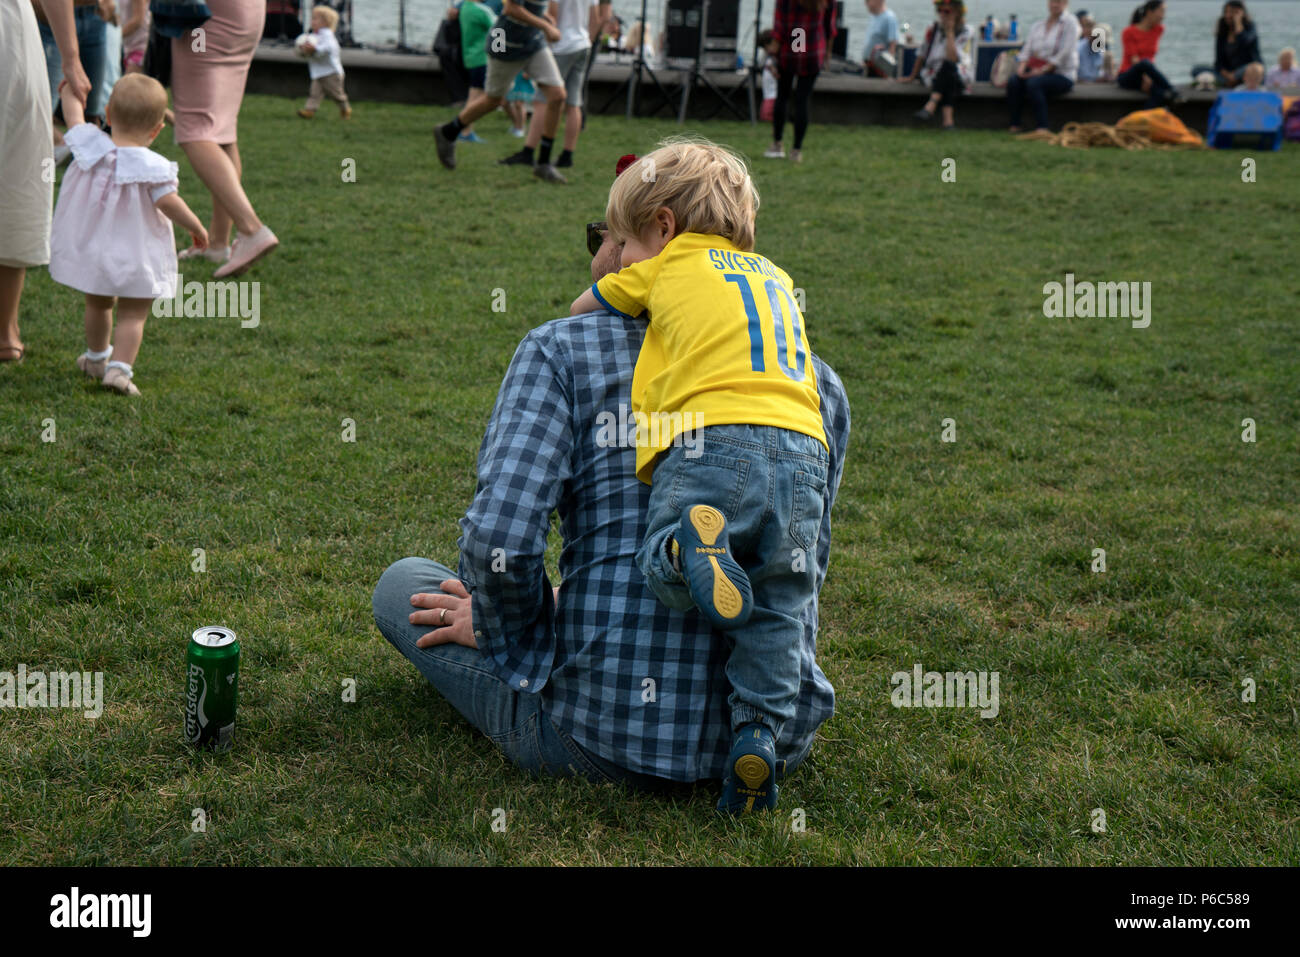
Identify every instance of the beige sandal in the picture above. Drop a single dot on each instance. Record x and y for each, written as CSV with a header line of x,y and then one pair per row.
x,y
94,368
119,381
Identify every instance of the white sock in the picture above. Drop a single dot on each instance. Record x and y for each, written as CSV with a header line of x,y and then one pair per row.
x,y
125,367
96,356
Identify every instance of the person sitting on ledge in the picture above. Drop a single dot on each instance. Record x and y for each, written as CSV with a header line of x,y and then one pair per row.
x,y
1236,46
1284,75
1137,71
1048,64
943,61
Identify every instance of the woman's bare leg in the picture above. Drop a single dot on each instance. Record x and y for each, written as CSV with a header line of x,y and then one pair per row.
x,y
11,291
220,174
222,223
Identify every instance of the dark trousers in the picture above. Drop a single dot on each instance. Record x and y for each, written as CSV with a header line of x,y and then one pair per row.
x,y
947,83
1131,79
802,87
1036,89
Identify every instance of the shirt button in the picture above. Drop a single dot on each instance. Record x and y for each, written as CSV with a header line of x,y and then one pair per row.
x,y
478,634
523,682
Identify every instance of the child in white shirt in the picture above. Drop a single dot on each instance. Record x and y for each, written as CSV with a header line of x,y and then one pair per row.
x,y
324,66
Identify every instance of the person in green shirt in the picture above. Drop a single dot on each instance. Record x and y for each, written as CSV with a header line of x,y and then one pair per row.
x,y
476,20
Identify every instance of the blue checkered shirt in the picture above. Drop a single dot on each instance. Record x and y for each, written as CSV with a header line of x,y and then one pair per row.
x,y
562,439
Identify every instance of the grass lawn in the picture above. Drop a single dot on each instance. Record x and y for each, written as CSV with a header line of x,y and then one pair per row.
x,y
1120,691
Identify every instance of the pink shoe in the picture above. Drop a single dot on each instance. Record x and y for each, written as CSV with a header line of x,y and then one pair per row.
x,y
247,250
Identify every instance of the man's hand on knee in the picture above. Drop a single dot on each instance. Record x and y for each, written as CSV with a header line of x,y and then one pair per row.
x,y
450,612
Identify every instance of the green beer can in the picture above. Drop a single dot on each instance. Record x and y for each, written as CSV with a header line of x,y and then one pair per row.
x,y
211,687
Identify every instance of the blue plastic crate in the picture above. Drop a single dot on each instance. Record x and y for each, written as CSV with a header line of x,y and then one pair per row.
x,y
1254,113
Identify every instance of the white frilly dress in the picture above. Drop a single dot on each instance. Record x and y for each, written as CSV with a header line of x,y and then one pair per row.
x,y
108,239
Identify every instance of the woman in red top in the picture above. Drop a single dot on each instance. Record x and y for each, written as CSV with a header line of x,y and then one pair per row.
x,y
804,29
1141,39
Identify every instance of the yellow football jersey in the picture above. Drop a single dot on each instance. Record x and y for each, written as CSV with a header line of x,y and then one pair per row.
x,y
726,344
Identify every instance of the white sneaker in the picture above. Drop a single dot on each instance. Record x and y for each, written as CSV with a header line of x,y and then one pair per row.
x,y
775,153
796,156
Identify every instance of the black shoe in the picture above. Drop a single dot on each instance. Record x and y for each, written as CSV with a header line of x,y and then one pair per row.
x,y
925,116
446,148
547,172
565,161
522,158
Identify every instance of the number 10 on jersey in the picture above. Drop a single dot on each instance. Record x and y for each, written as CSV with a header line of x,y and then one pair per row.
x,y
782,318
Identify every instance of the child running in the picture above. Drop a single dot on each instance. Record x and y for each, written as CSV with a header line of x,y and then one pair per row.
x,y
732,431
324,65
112,233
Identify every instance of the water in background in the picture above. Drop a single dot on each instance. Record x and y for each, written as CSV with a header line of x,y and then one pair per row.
x,y
1188,38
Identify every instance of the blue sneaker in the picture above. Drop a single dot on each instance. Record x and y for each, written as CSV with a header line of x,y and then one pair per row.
x,y
470,138
718,585
750,784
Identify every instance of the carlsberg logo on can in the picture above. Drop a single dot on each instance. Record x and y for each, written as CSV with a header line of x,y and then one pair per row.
x,y
195,718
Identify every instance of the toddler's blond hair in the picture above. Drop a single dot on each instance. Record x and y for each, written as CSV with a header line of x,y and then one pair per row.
x,y
1254,73
138,103
328,14
707,187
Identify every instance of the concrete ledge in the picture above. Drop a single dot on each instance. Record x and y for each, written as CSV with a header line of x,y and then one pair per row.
x,y
838,98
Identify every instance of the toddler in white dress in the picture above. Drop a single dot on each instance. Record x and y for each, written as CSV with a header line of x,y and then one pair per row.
x,y
112,233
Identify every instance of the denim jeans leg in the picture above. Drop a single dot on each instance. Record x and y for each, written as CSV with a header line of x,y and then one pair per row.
x,y
515,722
92,38
53,61
1040,88
764,667
460,674
1015,98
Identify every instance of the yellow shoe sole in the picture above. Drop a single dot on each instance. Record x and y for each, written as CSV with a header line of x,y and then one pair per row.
x,y
709,523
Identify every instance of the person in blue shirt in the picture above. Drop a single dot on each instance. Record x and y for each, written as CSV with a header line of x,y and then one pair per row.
x,y
1092,51
882,35
595,678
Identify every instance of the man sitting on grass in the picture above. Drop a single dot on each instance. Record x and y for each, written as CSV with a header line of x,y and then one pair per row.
x,y
597,678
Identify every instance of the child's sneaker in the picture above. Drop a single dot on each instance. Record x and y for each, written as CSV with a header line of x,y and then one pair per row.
x,y
750,784
306,114
118,380
717,583
92,367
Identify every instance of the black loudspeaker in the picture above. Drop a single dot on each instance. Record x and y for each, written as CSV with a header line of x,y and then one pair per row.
x,y
684,25
840,45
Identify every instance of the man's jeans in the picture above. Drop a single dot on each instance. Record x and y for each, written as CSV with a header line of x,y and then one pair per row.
x,y
1037,89
92,40
770,484
514,721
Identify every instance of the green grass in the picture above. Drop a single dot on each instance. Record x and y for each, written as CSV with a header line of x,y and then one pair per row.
x,y
1119,691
